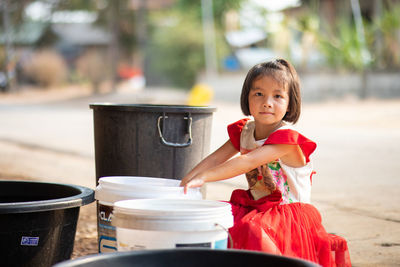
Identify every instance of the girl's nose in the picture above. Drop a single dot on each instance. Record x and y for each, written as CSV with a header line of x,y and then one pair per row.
x,y
267,103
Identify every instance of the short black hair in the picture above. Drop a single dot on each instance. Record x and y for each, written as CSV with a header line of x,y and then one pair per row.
x,y
283,72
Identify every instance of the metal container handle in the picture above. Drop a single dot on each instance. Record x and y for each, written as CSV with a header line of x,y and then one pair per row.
x,y
188,143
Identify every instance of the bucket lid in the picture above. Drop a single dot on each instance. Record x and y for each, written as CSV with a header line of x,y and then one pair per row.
x,y
172,214
115,188
153,108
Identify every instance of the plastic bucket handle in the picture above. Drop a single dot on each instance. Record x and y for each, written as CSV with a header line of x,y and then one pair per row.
x,y
227,232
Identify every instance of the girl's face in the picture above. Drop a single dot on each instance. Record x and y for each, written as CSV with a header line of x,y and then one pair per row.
x,y
268,101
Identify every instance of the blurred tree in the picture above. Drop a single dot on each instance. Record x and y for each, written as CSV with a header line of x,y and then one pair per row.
x,y
135,39
308,25
90,65
176,51
78,4
176,45
116,18
47,68
388,26
15,9
343,51
11,14
220,7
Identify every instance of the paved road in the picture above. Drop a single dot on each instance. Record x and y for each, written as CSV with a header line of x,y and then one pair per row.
x,y
356,187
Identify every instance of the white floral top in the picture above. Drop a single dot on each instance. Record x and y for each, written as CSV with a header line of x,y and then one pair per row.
x,y
293,182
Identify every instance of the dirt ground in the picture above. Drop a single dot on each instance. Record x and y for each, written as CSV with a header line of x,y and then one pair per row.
x,y
86,232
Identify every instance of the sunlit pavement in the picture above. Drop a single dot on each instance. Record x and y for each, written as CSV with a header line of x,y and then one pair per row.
x,y
356,187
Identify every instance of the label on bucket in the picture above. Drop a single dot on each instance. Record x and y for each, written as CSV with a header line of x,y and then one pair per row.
x,y
29,241
219,244
194,245
107,244
105,214
106,232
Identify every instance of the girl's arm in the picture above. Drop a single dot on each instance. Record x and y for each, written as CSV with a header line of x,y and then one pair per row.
x,y
238,165
222,154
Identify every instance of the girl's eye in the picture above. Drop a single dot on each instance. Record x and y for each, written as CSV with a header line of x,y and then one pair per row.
x,y
278,96
258,94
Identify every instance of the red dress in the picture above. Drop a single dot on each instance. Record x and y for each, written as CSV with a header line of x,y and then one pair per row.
x,y
272,225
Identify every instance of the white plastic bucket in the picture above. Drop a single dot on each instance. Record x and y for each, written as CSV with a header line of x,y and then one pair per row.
x,y
171,223
116,188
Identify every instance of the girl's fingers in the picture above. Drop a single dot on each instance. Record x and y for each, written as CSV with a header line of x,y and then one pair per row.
x,y
193,182
185,189
184,181
187,186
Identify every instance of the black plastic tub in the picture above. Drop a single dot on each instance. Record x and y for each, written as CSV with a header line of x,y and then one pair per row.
x,y
38,221
186,257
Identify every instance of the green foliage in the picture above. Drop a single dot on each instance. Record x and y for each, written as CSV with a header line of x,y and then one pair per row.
x,y
388,26
90,5
389,23
219,8
308,23
345,50
176,51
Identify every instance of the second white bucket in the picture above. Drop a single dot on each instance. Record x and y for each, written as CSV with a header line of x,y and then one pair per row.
x,y
116,188
171,223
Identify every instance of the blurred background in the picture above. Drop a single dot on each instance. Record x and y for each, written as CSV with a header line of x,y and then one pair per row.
x,y
101,44
57,56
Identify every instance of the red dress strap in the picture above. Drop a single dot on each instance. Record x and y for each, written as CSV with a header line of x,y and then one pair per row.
x,y
234,131
292,137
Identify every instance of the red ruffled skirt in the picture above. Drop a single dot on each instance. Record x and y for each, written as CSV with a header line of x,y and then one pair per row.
x,y
292,230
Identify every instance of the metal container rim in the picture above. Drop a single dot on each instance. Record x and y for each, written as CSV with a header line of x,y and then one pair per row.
x,y
152,108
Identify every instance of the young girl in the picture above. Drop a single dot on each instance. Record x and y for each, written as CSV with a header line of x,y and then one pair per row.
x,y
274,214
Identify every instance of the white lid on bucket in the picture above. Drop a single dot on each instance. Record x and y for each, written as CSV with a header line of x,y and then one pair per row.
x,y
172,214
115,188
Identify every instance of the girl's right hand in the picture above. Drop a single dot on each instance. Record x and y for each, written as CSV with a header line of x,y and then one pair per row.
x,y
197,177
188,182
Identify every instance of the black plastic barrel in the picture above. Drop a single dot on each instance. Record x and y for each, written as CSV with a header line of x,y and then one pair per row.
x,y
38,221
185,258
150,140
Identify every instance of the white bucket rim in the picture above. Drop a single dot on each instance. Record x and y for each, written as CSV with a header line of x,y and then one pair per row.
x,y
114,188
138,182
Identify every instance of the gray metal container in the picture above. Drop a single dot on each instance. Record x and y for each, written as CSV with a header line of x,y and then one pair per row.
x,y
150,140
